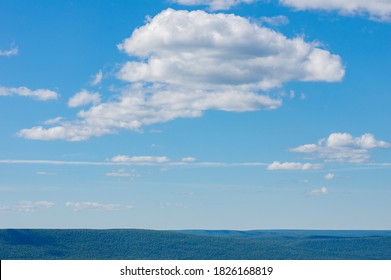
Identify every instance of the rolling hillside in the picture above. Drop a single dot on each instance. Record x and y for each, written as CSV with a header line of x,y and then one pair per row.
x,y
133,244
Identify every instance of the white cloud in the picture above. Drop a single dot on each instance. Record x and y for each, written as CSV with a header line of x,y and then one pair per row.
x,y
140,159
44,173
214,4
293,166
11,52
97,78
329,176
83,205
185,63
122,160
321,191
119,174
165,205
39,94
275,21
122,173
376,9
188,159
220,50
53,121
343,147
135,109
84,97
77,131
27,206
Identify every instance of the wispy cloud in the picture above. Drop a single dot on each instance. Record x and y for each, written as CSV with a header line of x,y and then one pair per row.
x,y
53,121
321,191
84,97
188,159
329,176
85,205
122,173
122,160
275,21
97,78
165,205
140,159
27,206
342,147
11,52
376,9
53,162
293,166
214,4
39,94
44,173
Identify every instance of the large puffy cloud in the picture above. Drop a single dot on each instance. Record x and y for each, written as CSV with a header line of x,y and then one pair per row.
x,y
214,4
376,9
39,94
343,147
220,50
184,63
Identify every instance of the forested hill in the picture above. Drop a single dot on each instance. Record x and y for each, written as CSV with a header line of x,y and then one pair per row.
x,y
133,244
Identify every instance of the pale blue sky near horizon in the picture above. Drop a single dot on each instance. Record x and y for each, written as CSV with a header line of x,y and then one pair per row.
x,y
166,115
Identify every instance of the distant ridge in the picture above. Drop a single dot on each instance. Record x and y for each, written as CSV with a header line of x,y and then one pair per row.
x,y
135,244
289,233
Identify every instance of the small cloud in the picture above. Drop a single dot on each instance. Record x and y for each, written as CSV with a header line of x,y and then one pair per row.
x,y
329,176
122,173
321,191
343,147
379,10
148,19
84,97
214,5
165,205
186,193
53,121
188,159
11,52
44,173
84,205
139,159
39,94
293,166
27,206
97,78
276,20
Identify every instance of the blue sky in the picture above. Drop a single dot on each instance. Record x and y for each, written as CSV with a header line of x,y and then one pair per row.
x,y
189,114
